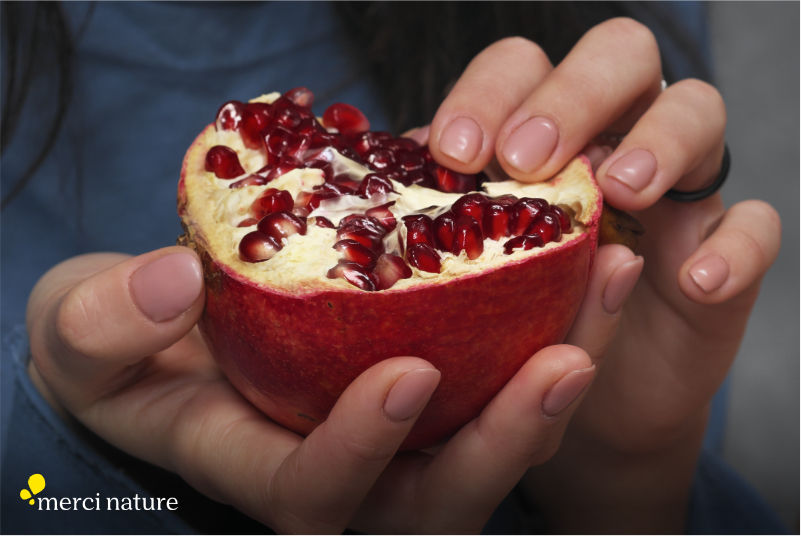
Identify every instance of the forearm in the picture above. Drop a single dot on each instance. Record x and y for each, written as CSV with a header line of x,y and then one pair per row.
x,y
589,489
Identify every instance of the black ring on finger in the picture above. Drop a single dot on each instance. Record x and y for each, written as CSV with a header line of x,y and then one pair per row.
x,y
697,195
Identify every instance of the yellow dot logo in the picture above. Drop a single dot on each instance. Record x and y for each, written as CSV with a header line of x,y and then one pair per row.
x,y
36,483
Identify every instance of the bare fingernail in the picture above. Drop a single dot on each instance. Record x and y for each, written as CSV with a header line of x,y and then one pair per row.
x,y
410,393
462,139
531,144
635,169
168,286
620,285
710,272
566,390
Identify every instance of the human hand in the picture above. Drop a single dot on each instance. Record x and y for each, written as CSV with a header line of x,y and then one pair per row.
x,y
114,344
680,330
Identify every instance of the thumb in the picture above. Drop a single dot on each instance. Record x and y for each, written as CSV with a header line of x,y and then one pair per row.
x,y
93,315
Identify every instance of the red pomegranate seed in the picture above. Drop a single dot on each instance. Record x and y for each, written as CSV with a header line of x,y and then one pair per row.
x,y
280,141
409,161
426,154
417,176
363,237
522,241
287,114
308,128
468,237
356,252
384,215
364,142
322,221
419,230
229,116
271,200
334,189
348,180
547,226
284,165
524,211
471,205
507,200
398,145
374,184
345,118
362,221
381,159
355,274
423,257
453,182
257,247
256,117
565,223
496,221
445,231
224,162
282,225
389,269
323,140
366,230
251,180
301,96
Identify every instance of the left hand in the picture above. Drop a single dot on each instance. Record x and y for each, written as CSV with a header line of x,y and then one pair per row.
x,y
680,330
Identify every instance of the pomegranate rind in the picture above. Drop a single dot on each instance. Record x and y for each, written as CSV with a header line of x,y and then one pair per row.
x,y
293,353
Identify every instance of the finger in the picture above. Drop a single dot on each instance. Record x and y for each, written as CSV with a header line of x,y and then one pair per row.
x,y
94,315
522,426
735,256
418,134
494,84
677,143
615,272
613,68
325,480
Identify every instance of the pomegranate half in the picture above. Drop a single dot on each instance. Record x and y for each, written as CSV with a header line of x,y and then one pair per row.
x,y
327,247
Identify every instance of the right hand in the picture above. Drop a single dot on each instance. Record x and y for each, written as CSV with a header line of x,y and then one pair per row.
x,y
114,344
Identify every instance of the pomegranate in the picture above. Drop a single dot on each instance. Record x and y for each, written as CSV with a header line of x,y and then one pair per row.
x,y
328,247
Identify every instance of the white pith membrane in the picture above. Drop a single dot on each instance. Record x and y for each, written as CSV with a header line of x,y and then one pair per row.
x,y
215,210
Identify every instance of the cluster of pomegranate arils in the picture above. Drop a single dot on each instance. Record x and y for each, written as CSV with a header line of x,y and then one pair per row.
x,y
291,137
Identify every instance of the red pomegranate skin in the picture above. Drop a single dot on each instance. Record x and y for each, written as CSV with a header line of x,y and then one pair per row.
x,y
293,354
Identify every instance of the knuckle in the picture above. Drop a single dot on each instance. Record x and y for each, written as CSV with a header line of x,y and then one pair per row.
x,y
545,450
76,322
705,96
366,450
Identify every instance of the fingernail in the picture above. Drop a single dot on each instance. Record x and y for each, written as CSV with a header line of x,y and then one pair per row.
x,y
530,145
635,169
566,390
461,139
166,287
620,285
710,272
410,393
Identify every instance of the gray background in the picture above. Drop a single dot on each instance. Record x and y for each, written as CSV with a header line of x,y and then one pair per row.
x,y
756,53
